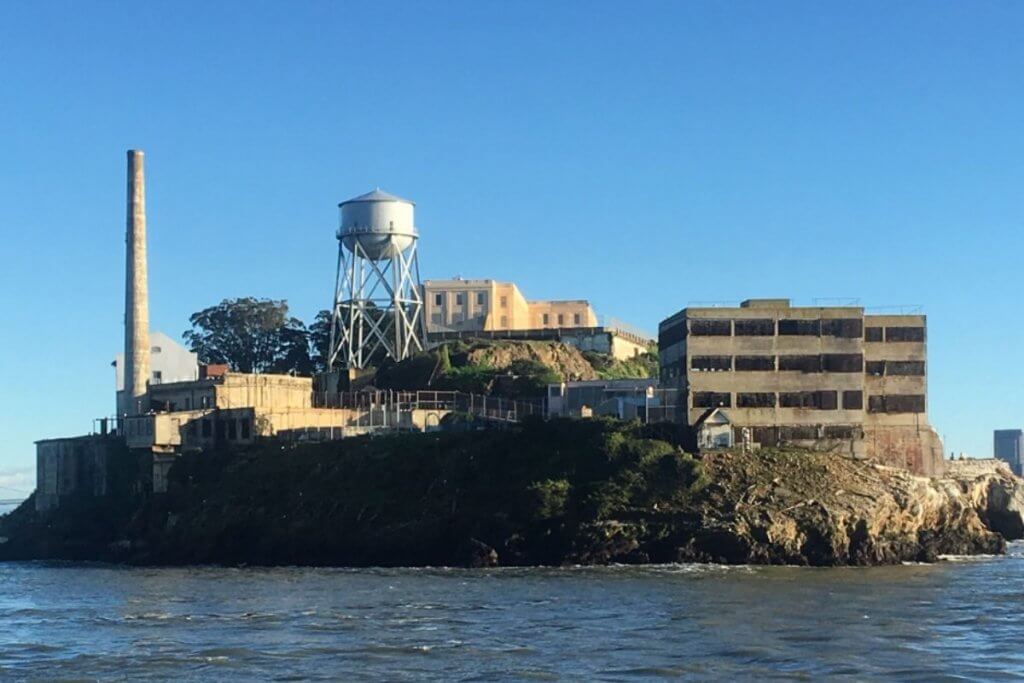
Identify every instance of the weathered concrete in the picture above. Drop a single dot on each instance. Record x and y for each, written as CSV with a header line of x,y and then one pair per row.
x,y
136,307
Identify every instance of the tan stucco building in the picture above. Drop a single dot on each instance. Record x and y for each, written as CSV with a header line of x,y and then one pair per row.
x,y
489,305
830,377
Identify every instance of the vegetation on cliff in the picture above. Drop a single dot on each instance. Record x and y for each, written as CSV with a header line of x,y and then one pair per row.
x,y
557,492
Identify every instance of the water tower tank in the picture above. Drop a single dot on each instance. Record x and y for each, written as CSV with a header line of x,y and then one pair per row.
x,y
380,223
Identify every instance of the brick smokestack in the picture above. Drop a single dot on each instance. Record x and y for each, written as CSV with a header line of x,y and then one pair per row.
x,y
136,305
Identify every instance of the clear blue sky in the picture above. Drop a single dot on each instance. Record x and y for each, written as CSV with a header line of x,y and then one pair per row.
x,y
641,155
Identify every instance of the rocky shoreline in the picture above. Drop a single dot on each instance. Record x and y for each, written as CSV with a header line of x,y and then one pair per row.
x,y
555,493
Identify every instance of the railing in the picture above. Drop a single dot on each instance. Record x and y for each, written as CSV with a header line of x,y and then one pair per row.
x,y
490,407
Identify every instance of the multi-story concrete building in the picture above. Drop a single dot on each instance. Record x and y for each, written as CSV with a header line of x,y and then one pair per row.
x,y
487,305
1008,446
824,376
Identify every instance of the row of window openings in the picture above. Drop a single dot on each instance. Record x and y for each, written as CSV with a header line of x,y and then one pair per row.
x,y
460,299
828,362
817,400
849,328
225,428
438,318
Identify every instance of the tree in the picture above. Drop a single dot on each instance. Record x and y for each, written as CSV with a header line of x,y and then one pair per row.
x,y
320,340
251,335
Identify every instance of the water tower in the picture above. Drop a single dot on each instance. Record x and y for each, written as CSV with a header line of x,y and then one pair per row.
x,y
378,303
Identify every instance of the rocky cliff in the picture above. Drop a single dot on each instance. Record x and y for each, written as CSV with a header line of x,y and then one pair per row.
x,y
559,492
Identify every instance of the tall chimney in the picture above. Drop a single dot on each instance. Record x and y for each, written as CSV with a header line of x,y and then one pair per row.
x,y
136,304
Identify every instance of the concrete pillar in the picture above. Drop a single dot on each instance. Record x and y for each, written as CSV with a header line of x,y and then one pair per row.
x,y
136,306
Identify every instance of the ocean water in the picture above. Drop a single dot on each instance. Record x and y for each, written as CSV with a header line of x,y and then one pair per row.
x,y
958,619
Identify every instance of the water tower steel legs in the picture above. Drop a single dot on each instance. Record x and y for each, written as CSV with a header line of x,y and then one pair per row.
x,y
378,306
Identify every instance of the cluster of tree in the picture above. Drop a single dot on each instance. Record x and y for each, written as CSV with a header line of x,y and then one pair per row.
x,y
260,335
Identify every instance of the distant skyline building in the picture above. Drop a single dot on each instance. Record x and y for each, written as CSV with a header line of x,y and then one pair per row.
x,y
1008,446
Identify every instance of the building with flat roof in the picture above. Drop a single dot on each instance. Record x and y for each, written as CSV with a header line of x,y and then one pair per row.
x,y
487,309
1008,446
487,305
822,376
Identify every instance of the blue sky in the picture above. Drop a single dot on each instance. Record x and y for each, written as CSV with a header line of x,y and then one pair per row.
x,y
641,155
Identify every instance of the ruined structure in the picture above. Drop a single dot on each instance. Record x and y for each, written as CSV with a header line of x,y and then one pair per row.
x,y
822,377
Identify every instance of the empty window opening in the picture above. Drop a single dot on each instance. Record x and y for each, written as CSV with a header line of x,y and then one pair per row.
x,y
755,328
481,298
896,403
800,363
544,319
798,433
802,328
853,400
561,319
711,363
873,334
576,319
751,363
843,362
711,399
711,328
849,328
905,367
904,334
874,367
458,299
755,400
438,299
841,432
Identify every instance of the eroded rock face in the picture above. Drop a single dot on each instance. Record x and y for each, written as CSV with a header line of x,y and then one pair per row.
x,y
819,509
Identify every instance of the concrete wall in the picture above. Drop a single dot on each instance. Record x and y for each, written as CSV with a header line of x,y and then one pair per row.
x,y
71,466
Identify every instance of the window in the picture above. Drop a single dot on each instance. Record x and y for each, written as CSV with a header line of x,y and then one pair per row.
x,y
458,299
481,298
205,401
850,328
157,377
576,319
821,400
711,363
798,433
874,367
155,349
905,367
232,430
800,363
439,299
544,319
504,322
853,400
904,334
504,302
840,432
244,424
561,319
873,334
748,363
896,403
843,362
801,328
798,399
755,400
755,328
711,399
712,328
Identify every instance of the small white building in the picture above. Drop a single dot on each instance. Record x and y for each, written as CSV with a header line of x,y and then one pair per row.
x,y
169,362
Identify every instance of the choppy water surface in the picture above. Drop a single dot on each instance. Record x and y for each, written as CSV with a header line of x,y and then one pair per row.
x,y
963,619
